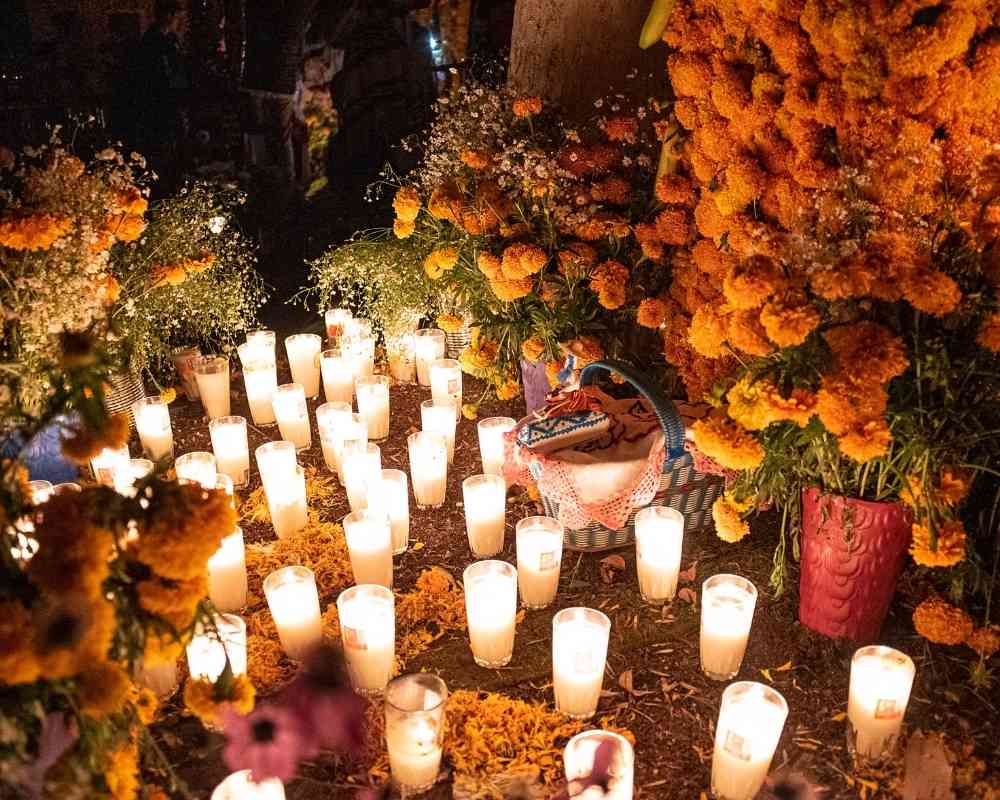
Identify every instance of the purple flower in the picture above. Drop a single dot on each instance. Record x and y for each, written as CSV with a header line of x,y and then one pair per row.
x,y
336,717
270,742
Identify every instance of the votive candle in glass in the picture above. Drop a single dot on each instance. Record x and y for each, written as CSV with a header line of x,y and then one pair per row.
x,y
276,462
881,680
39,492
579,650
369,543
373,405
659,533
336,319
727,605
294,602
485,499
210,644
260,376
352,436
152,422
183,358
491,608
428,345
232,452
240,786
446,382
395,496
292,414
363,347
110,465
428,468
227,574
414,730
362,474
198,466
402,363
140,468
360,328
338,376
303,358
438,416
367,617
579,759
491,445
539,542
265,339
751,718
286,502
212,374
329,418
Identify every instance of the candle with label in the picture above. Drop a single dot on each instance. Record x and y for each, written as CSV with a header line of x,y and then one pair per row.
x,y
491,608
303,351
152,422
292,413
210,644
183,358
329,418
491,446
429,346
402,362
240,786
580,756
368,631
414,730
373,405
659,532
751,718
198,466
539,542
395,496
438,416
336,319
881,680
579,650
287,504
485,498
369,542
727,605
294,603
212,375
362,474
428,468
275,462
446,382
229,443
227,574
338,377
260,376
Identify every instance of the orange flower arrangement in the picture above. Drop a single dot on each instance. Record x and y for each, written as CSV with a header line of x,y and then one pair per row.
x,y
527,106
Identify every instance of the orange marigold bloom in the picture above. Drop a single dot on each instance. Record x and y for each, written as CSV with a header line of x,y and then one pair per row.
x,y
845,402
941,622
749,284
440,261
931,292
707,332
403,229
953,485
985,641
649,240
788,318
723,441
552,370
508,291
406,204
711,260
652,313
612,189
533,348
37,232
950,547
446,202
866,440
586,349
527,106
675,190
622,129
521,260
674,226
608,281
125,227
727,513
489,265
745,333
476,159
879,350
989,333
576,260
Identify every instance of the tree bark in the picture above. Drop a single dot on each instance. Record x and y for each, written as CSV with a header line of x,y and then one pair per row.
x,y
575,51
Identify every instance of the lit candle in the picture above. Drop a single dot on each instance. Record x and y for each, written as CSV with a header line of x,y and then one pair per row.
x,y
659,532
265,339
881,679
360,328
110,464
329,418
490,609
368,631
276,462
363,354
438,416
338,376
138,469
303,358
362,473
579,650
751,718
414,730
485,498
183,358
491,444
260,375
160,678
428,345
292,413
229,443
373,405
352,436
227,574
198,466
152,422
240,786
539,542
286,502
212,374
294,603
428,468
209,646
446,382
336,319
727,604
402,363
395,496
39,492
579,762
62,488
369,542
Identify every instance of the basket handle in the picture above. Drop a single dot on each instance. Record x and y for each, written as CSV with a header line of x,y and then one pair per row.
x,y
670,420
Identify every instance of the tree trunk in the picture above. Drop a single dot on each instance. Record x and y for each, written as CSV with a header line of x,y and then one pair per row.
x,y
575,51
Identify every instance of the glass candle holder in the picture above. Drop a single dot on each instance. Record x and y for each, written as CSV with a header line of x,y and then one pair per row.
x,y
491,445
659,533
395,496
294,603
428,347
727,605
287,504
369,542
336,319
579,650
352,437
367,616
183,359
110,465
373,405
402,362
490,608
209,646
485,498
198,466
39,492
303,358
539,542
240,786
212,374
438,416
276,461
160,678
292,413
329,418
140,468
751,717
232,452
414,730
260,376
338,376
362,347
881,680
265,339
152,422
446,382
579,761
360,328
428,468
227,574
362,475
61,488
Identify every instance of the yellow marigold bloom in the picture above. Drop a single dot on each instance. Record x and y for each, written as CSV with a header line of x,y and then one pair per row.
x,y
17,657
727,513
866,441
868,346
446,202
586,349
145,703
406,204
652,312
747,404
476,159
403,229
508,291
81,444
746,334
489,265
121,771
168,395
173,601
522,260
450,323
844,402
985,641
931,292
477,357
527,106
103,689
707,332
941,622
950,544
72,634
552,370
989,333
789,318
509,389
37,232
208,700
533,348
729,445
749,284
470,410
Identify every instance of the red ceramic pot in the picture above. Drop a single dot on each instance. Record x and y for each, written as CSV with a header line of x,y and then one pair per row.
x,y
852,555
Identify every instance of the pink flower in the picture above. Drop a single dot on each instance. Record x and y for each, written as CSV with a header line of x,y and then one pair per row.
x,y
270,742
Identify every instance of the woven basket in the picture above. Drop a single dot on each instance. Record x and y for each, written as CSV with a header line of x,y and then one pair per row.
x,y
456,342
682,487
125,389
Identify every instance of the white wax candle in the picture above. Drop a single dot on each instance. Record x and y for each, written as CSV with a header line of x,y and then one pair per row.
x,y
579,650
751,718
303,359
110,465
428,468
428,347
352,436
152,422
198,466
659,532
294,603
229,443
362,474
227,574
395,497
369,542
373,405
581,753
276,462
212,375
160,678
209,646
368,632
485,498
539,542
414,753
727,605
329,418
240,786
336,319
491,445
260,376
287,503
446,382
338,376
292,413
263,339
881,680
438,416
402,363
490,608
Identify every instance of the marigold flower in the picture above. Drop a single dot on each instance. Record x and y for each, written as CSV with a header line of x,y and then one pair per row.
x,y
173,601
622,129
941,622
476,159
72,633
931,292
745,333
406,204
446,202
403,229
711,260
707,332
989,333
209,701
985,641
103,689
727,513
146,704
17,657
652,313
674,227
522,260
882,353
508,389
731,446
527,106
675,190
866,440
37,232
755,404
509,291
586,350
576,260
788,318
608,280
121,771
533,348
950,546
844,402
440,261
749,284
470,410
450,323
489,265
478,356
613,189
